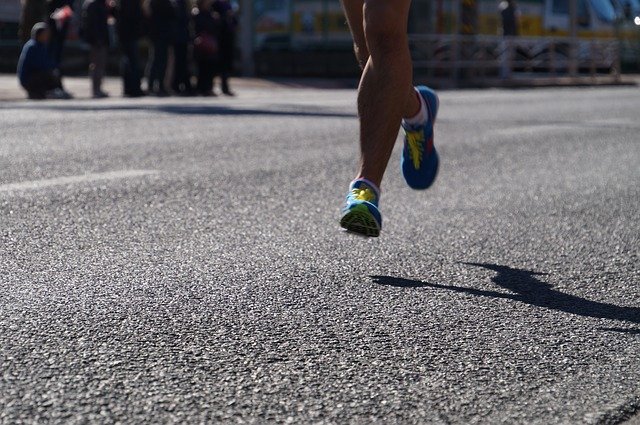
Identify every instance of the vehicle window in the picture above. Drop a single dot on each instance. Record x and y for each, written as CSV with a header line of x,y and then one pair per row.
x,y
583,13
604,10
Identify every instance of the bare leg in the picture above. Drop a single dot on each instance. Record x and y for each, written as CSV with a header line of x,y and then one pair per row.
x,y
385,94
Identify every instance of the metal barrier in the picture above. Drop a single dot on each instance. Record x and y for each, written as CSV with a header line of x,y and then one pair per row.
x,y
469,58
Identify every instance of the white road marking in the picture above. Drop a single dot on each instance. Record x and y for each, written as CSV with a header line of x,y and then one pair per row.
x,y
562,127
84,178
536,129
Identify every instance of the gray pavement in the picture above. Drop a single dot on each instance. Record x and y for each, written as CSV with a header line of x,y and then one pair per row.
x,y
179,261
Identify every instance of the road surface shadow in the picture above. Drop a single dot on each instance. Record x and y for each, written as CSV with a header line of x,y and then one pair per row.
x,y
293,111
526,287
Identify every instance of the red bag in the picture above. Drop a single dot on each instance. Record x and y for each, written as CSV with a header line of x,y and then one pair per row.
x,y
206,46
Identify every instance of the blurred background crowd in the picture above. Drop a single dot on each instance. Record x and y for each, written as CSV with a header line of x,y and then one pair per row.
x,y
162,47
190,45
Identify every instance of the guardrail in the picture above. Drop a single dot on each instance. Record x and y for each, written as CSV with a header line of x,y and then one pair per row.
x,y
468,58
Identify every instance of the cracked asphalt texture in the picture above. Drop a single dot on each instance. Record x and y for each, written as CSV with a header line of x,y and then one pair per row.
x,y
180,261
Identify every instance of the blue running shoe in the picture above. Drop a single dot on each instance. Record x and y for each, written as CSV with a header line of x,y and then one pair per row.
x,y
419,160
360,213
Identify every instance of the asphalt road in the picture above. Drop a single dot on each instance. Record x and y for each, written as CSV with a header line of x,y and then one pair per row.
x,y
180,261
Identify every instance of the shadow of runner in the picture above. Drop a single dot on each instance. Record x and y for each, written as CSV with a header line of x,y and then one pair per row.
x,y
398,282
527,288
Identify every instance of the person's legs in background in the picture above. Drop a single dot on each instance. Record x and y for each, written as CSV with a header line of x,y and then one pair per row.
x,y
158,67
224,80
97,69
206,70
226,65
181,78
150,71
162,59
130,68
56,44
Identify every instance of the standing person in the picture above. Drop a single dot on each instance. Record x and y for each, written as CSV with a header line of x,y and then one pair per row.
x,y
33,11
95,31
129,25
228,27
182,37
205,48
60,13
509,17
387,101
161,22
36,72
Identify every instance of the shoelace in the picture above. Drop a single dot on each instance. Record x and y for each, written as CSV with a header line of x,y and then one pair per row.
x,y
363,194
415,140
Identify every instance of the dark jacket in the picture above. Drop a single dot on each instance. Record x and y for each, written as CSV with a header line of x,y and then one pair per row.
x,y
33,58
509,16
228,25
206,27
129,20
228,19
161,21
33,11
205,24
95,28
182,32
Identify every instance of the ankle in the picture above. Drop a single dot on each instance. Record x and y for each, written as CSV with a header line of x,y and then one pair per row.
x,y
420,116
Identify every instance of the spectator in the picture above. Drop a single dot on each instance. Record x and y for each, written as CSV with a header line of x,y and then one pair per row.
x,y
60,13
182,37
33,11
205,46
228,27
95,31
161,22
36,71
509,16
129,25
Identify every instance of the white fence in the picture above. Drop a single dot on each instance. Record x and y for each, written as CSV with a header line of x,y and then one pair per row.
x,y
458,57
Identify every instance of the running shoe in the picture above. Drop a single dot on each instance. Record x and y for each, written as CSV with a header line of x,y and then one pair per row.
x,y
419,160
360,214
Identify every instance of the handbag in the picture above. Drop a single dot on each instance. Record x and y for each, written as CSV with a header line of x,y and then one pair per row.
x,y
206,46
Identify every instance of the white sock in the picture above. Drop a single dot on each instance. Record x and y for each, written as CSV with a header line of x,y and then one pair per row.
x,y
420,117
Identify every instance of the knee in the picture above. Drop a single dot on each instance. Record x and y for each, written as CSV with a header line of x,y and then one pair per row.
x,y
385,26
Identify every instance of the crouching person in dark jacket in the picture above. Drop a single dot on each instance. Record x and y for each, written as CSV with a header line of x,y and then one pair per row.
x,y
95,31
36,70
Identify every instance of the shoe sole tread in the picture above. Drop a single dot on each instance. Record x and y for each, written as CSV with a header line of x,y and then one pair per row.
x,y
360,222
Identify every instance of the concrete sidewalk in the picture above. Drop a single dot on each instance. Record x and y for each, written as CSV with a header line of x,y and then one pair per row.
x,y
80,87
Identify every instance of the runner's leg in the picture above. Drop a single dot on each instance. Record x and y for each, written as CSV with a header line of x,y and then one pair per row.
x,y
385,94
353,10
